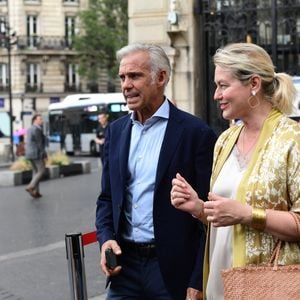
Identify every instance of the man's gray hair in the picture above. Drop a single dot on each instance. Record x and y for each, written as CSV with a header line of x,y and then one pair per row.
x,y
158,58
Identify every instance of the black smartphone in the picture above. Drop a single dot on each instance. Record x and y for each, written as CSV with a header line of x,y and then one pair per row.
x,y
111,259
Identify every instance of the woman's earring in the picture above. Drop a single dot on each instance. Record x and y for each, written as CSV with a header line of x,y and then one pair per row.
x,y
253,94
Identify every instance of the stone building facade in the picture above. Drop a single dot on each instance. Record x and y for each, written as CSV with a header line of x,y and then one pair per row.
x,y
172,25
42,65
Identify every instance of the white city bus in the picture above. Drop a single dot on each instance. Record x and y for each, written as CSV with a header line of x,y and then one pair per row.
x,y
72,123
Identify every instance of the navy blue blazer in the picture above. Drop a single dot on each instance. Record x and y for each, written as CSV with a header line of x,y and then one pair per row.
x,y
187,148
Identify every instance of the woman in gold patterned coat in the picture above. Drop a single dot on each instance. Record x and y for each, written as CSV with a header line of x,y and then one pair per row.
x,y
256,172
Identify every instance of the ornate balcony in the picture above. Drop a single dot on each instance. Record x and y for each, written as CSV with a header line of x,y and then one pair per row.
x,y
4,88
72,87
33,88
43,43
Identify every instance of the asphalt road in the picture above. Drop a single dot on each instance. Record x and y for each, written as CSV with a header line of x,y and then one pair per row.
x,y
33,264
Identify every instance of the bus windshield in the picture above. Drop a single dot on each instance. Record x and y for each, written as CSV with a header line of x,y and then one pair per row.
x,y
72,123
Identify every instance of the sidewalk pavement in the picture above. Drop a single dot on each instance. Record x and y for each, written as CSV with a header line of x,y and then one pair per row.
x,y
101,297
4,163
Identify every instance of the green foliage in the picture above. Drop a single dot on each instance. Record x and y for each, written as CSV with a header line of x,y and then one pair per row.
x,y
103,30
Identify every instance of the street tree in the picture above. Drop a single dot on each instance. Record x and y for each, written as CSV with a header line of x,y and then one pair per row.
x,y
103,29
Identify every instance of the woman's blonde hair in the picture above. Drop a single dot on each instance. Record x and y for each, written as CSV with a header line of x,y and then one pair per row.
x,y
245,60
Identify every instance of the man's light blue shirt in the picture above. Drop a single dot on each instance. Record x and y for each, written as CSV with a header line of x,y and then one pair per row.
x,y
145,145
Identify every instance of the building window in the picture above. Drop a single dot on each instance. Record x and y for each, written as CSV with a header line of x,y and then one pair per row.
x,y
69,30
3,31
72,78
32,1
32,31
32,77
3,77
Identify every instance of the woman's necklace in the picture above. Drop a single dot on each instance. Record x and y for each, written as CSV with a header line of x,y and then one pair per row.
x,y
244,154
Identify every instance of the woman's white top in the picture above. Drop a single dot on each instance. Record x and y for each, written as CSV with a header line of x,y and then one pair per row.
x,y
220,247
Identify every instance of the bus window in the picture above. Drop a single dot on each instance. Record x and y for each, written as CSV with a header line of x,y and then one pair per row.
x,y
116,110
89,123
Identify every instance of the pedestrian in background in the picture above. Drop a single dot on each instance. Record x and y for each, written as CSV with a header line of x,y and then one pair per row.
x,y
256,172
100,133
20,147
36,154
159,249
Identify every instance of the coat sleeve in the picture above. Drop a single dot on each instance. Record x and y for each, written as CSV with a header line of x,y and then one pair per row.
x,y
110,198
104,217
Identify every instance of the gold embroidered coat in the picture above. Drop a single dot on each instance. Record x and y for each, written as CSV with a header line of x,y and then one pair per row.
x,y
272,180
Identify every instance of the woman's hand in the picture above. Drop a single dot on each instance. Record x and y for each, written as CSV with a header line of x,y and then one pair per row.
x,y
185,198
222,211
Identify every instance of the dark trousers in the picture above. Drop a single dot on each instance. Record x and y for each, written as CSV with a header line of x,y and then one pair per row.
x,y
140,277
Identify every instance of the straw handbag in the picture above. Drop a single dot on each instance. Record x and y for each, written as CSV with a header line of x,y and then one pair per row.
x,y
269,282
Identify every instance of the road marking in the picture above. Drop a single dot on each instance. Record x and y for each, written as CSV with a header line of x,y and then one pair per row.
x,y
32,251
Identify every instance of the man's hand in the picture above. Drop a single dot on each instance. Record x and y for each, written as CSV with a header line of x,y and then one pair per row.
x,y
112,244
193,294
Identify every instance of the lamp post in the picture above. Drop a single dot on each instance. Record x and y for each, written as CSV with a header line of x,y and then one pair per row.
x,y
7,38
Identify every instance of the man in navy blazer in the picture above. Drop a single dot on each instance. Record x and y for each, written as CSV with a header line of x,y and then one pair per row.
x,y
159,248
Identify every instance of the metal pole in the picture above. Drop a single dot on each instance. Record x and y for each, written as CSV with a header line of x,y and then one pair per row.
x,y
7,39
75,257
10,96
274,32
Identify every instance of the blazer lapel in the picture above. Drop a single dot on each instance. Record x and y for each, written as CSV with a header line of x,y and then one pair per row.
x,y
124,148
172,137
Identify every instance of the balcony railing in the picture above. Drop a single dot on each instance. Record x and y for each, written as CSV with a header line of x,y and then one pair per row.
x,y
4,88
33,87
43,42
72,87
